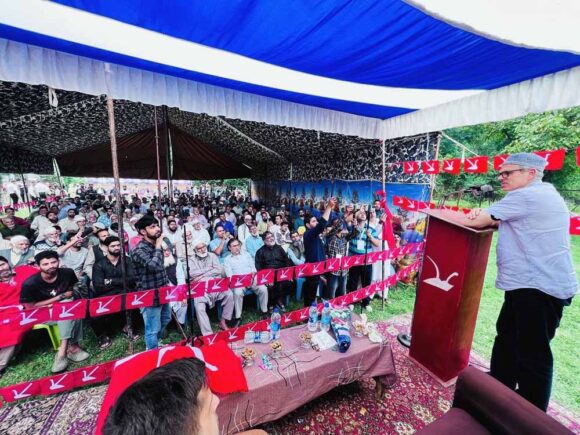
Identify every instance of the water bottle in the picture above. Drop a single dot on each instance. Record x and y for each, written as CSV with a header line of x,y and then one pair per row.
x,y
342,334
325,317
313,318
275,324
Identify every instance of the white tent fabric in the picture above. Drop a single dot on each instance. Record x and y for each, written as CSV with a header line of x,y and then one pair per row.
x,y
374,69
551,92
547,24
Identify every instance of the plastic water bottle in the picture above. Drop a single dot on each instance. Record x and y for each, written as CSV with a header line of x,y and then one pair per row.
x,y
342,334
325,317
275,324
313,318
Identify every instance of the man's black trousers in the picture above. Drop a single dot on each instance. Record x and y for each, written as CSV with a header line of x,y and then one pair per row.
x,y
521,358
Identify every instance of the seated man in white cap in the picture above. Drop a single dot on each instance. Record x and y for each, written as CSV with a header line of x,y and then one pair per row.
x,y
241,263
205,265
20,252
198,232
535,270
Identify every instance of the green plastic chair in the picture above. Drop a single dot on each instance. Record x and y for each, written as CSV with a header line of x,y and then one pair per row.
x,y
52,333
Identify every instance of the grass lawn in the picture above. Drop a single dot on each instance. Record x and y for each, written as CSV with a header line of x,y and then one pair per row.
x,y
36,356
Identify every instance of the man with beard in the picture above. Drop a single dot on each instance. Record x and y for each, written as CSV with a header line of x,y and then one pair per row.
x,y
272,256
49,286
173,234
241,263
195,214
190,240
9,229
20,253
108,281
244,229
199,232
68,224
150,273
253,241
314,250
204,265
96,252
51,240
176,275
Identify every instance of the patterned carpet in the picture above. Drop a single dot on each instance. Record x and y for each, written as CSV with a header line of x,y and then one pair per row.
x,y
413,402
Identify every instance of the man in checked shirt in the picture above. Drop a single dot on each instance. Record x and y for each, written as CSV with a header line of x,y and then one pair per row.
x,y
150,274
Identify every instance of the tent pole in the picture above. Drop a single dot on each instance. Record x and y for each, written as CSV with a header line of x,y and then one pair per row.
x,y
384,188
119,208
158,164
25,189
167,156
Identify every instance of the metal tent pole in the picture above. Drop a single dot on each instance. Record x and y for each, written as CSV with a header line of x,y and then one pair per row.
x,y
114,157
384,188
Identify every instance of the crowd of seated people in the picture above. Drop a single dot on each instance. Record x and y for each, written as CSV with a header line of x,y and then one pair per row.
x,y
76,243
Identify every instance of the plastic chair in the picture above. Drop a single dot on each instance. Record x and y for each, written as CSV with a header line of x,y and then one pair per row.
x,y
52,333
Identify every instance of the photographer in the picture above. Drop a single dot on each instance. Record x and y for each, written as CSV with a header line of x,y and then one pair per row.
x,y
219,245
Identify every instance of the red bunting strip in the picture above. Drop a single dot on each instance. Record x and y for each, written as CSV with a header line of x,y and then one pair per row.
x,y
480,164
25,319
419,205
101,372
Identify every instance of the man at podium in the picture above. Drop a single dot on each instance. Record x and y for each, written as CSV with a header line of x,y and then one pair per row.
x,y
534,269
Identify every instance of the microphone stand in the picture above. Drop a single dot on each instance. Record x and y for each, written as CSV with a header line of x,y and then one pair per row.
x,y
188,283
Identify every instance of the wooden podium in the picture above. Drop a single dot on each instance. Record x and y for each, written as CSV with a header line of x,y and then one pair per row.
x,y
448,294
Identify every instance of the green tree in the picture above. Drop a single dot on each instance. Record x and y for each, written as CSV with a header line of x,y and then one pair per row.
x,y
533,132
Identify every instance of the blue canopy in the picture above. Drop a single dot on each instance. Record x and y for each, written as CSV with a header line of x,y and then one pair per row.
x,y
372,59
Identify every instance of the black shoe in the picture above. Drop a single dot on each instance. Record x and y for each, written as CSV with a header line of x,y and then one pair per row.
x,y
265,316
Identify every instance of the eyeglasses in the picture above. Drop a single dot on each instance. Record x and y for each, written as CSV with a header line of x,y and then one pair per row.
x,y
506,174
235,245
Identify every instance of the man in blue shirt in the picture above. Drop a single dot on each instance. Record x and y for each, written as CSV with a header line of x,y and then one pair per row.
x,y
534,269
253,241
314,250
219,245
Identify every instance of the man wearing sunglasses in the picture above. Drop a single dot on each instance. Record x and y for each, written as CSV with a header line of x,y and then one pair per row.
x,y
534,269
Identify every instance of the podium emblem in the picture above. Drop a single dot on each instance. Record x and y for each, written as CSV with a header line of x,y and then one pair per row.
x,y
436,281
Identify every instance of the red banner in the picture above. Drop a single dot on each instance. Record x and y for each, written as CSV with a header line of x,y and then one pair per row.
x,y
451,166
475,165
140,299
554,159
105,305
69,310
218,285
265,276
285,274
241,281
410,167
430,167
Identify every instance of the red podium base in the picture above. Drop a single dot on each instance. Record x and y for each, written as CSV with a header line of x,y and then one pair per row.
x,y
448,295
